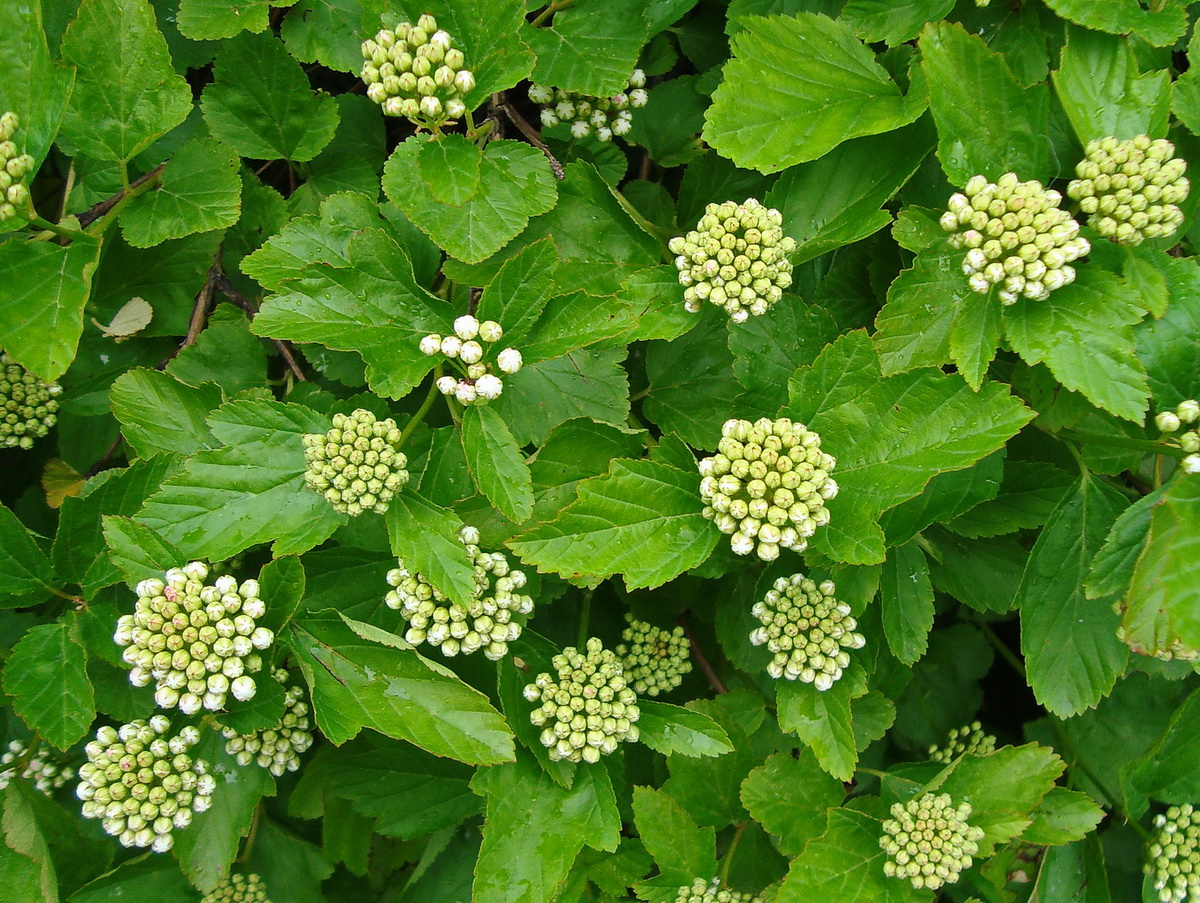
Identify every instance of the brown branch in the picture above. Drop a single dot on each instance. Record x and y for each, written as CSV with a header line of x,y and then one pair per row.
x,y
701,659
226,288
94,213
102,463
529,132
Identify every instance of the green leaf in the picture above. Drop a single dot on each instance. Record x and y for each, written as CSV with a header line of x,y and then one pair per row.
x,y
1028,494
574,451
357,683
670,729
225,352
681,849
425,537
210,844
26,573
574,321
251,490
291,868
517,295
590,48
1161,26
261,105
923,302
822,720
641,520
797,815
585,383
535,828
147,877
1076,871
944,691
46,675
208,20
34,86
126,92
139,397
77,856
404,789
1098,84
988,124
199,191
768,349
690,378
669,125
1004,789
893,21
515,183
835,200
906,597
41,310
282,583
1084,334
845,865
137,551
865,422
534,654
1072,654
796,88
982,573
944,497
1162,602
326,32
1165,346
1169,771
1063,816
374,307
496,462
450,169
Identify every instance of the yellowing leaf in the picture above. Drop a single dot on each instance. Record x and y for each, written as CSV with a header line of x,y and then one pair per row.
x,y
60,480
129,320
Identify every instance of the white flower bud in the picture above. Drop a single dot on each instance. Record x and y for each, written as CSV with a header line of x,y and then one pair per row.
x,y
509,360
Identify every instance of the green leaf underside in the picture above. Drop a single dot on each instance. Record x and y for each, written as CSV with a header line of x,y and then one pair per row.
x,y
46,676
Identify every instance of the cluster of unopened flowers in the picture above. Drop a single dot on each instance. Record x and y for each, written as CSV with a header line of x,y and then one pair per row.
x,y
1186,414
357,465
470,345
929,841
968,740
701,891
587,115
417,72
28,406
14,168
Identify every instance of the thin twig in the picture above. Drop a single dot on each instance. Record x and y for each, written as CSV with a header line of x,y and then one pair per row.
x,y
102,463
226,288
529,132
701,659
94,213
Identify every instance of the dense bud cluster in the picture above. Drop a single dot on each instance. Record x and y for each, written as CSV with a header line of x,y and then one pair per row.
x,y
928,841
14,167
239,889
735,258
357,465
46,775
487,623
589,709
1174,855
471,346
808,630
417,72
599,116
1016,237
1186,414
198,642
701,891
1131,189
29,406
968,740
277,749
654,659
142,785
767,485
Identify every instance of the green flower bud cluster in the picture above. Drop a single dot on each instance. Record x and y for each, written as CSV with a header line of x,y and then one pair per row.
x,y
808,630
470,345
599,116
46,775
1131,189
928,841
357,465
417,71
735,258
654,659
14,167
239,889
1016,237
143,785
968,740
29,406
1174,855
1186,413
589,709
767,485
277,749
197,641
701,891
486,623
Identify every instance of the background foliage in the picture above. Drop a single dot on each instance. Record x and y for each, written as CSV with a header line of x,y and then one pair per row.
x,y
1004,493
